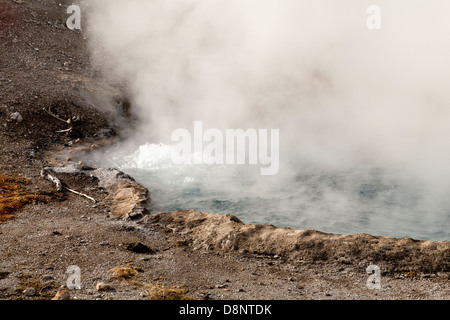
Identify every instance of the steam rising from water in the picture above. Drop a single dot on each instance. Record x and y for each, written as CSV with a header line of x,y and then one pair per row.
x,y
347,100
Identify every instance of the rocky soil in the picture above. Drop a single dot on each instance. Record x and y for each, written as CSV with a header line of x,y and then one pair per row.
x,y
123,251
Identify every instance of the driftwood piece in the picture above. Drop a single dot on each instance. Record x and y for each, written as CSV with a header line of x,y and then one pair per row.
x,y
49,175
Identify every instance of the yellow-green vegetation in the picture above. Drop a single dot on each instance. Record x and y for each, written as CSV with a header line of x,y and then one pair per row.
x,y
13,196
156,291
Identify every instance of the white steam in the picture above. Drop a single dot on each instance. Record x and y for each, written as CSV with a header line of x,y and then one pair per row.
x,y
340,94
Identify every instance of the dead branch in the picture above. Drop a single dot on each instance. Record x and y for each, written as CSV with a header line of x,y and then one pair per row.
x,y
47,174
64,131
68,121
55,116
81,194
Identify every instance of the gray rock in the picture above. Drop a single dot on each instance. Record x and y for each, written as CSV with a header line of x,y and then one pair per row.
x,y
16,116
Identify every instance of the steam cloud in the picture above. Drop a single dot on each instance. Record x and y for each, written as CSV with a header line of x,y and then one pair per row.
x,y
340,94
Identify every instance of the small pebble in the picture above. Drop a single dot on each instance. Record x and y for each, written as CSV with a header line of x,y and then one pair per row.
x,y
16,116
29,292
101,286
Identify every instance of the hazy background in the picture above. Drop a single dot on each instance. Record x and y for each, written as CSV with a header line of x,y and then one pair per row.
x,y
343,96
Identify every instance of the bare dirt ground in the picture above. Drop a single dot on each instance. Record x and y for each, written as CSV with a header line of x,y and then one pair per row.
x,y
182,254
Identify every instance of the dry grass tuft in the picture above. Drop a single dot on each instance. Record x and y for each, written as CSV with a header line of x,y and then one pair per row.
x,y
125,273
158,292
13,196
44,292
27,281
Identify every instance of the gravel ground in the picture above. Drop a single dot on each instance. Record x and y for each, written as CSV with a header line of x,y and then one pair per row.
x,y
45,65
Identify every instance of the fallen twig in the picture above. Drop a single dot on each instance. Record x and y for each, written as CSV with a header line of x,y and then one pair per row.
x,y
64,131
47,174
81,194
69,121
30,45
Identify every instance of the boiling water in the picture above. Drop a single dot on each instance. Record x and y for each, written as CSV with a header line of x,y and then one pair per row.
x,y
378,201
338,91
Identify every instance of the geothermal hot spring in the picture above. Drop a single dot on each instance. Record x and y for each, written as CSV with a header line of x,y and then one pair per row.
x,y
373,200
359,95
